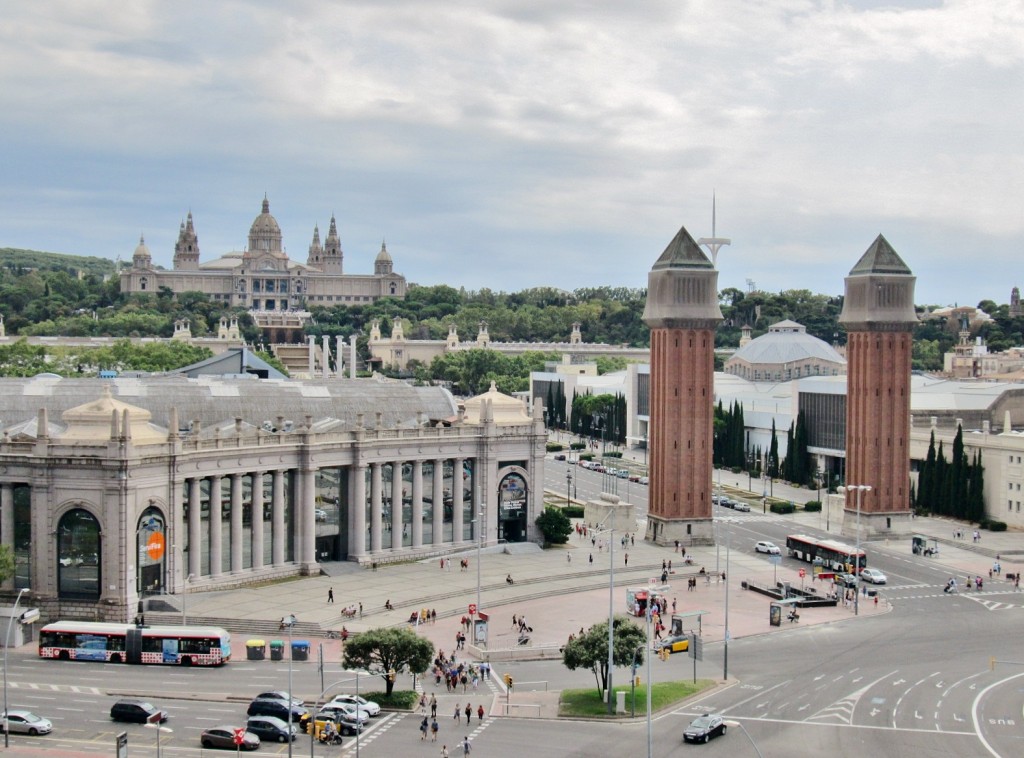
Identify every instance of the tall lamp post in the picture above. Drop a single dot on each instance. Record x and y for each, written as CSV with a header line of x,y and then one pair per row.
x,y
611,604
320,698
859,489
568,487
478,522
739,724
7,644
289,621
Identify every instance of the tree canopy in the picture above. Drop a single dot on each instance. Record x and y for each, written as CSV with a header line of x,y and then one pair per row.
x,y
590,649
388,652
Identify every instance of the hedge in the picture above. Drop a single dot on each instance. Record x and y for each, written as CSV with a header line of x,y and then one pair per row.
x,y
554,447
812,506
586,456
572,511
782,508
613,454
577,445
994,526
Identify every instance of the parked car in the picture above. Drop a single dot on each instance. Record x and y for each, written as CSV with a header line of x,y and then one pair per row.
x,y
349,710
135,711
622,473
361,702
644,480
25,722
703,728
346,723
559,456
271,729
278,708
223,737
278,695
873,575
740,506
767,547
726,502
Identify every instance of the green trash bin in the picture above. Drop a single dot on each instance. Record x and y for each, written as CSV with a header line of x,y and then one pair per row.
x,y
300,650
256,650
277,650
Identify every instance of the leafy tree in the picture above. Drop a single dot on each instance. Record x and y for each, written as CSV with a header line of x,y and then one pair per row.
x,y
388,652
590,649
555,526
6,562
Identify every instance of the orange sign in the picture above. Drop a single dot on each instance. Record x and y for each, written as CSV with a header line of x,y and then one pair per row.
x,y
155,546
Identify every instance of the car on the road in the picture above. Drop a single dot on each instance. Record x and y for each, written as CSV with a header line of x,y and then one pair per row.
x,y
622,473
350,710
346,722
873,575
740,506
279,695
677,644
767,547
644,480
25,722
136,711
271,729
559,456
360,702
278,708
223,737
703,728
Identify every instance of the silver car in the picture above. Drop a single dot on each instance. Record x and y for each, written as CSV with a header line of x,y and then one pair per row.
x,y
25,722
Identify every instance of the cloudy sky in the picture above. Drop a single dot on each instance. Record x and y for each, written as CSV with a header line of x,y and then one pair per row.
x,y
515,143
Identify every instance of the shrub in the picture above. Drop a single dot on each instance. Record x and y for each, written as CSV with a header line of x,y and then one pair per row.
x,y
613,454
554,447
398,699
994,526
555,526
577,445
586,456
812,506
782,508
736,469
573,511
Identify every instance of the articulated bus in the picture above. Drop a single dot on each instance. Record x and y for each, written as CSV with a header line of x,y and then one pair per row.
x,y
127,643
833,555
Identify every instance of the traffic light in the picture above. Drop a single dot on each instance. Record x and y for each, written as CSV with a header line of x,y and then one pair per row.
x,y
391,675
508,681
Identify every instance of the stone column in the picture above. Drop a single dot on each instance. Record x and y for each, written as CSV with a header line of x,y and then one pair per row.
x,y
375,507
357,534
257,520
437,496
312,356
307,521
7,524
195,527
457,503
236,523
396,505
277,534
417,503
216,565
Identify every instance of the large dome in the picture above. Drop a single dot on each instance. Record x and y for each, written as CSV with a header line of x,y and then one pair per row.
x,y
786,342
265,233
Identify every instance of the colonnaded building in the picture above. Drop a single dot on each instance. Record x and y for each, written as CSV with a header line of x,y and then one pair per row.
x,y
113,490
262,278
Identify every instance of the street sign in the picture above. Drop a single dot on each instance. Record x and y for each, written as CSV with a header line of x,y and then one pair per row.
x,y
121,741
775,560
239,736
802,573
472,609
696,647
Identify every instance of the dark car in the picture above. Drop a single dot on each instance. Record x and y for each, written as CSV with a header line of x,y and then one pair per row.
x,y
276,708
703,728
223,737
136,711
278,695
271,729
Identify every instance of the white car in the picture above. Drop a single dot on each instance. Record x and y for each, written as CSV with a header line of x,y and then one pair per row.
x,y
362,703
767,547
874,576
26,722
351,710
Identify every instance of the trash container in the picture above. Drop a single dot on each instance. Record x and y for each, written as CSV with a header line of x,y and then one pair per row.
x,y
277,650
300,650
255,650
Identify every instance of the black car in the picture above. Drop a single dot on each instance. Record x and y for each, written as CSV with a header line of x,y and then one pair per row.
x,y
276,708
223,737
136,711
703,728
271,729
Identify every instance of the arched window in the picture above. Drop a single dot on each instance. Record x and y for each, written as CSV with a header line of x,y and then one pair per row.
x,y
78,555
143,283
150,552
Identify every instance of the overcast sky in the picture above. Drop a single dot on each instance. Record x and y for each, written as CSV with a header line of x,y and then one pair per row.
x,y
518,143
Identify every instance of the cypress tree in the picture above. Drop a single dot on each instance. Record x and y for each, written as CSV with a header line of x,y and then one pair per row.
x,y
773,454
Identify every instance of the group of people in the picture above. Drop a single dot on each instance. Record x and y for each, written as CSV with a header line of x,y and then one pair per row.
x,y
423,615
457,673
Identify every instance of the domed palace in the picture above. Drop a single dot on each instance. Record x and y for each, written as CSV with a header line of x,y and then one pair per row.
x,y
786,352
262,278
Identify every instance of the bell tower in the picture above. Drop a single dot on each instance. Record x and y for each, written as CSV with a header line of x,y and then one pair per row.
x,y
186,249
682,312
879,316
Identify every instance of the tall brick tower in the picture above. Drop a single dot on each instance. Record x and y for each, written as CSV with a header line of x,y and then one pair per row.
x,y
879,316
682,312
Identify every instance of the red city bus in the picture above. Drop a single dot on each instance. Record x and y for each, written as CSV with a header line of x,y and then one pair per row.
x,y
831,554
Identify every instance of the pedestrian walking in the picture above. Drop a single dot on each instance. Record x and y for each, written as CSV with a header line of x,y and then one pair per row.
x,y
568,557
433,731
480,713
330,595
458,712
424,725
467,748
591,557
469,713
433,706
360,610
673,605
626,559
444,751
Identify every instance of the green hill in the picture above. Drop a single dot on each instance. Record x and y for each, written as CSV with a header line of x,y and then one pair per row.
x,y
19,261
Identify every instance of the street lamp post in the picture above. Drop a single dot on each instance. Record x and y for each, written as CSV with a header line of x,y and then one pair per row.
x,y
289,621
479,523
316,707
568,486
743,729
7,644
184,596
859,489
611,604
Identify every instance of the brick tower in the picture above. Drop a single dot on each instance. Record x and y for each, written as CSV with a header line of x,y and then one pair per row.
x,y
682,312
879,316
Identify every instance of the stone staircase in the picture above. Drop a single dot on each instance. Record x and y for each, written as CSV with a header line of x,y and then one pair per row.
x,y
243,628
296,357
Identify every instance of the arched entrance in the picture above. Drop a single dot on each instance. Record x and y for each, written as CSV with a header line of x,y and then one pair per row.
x,y
151,552
78,556
512,510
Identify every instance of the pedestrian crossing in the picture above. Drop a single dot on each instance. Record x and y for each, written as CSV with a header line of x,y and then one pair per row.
x,y
72,688
904,592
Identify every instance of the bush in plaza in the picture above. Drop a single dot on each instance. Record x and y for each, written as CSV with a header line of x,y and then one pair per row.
x,y
554,447
577,445
554,525
573,511
994,526
613,454
399,700
586,456
782,508
812,506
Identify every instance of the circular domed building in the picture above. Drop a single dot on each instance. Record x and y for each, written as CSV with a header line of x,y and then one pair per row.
x,y
786,352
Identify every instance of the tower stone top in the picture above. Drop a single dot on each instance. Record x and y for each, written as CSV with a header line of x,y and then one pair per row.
x,y
879,291
682,287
